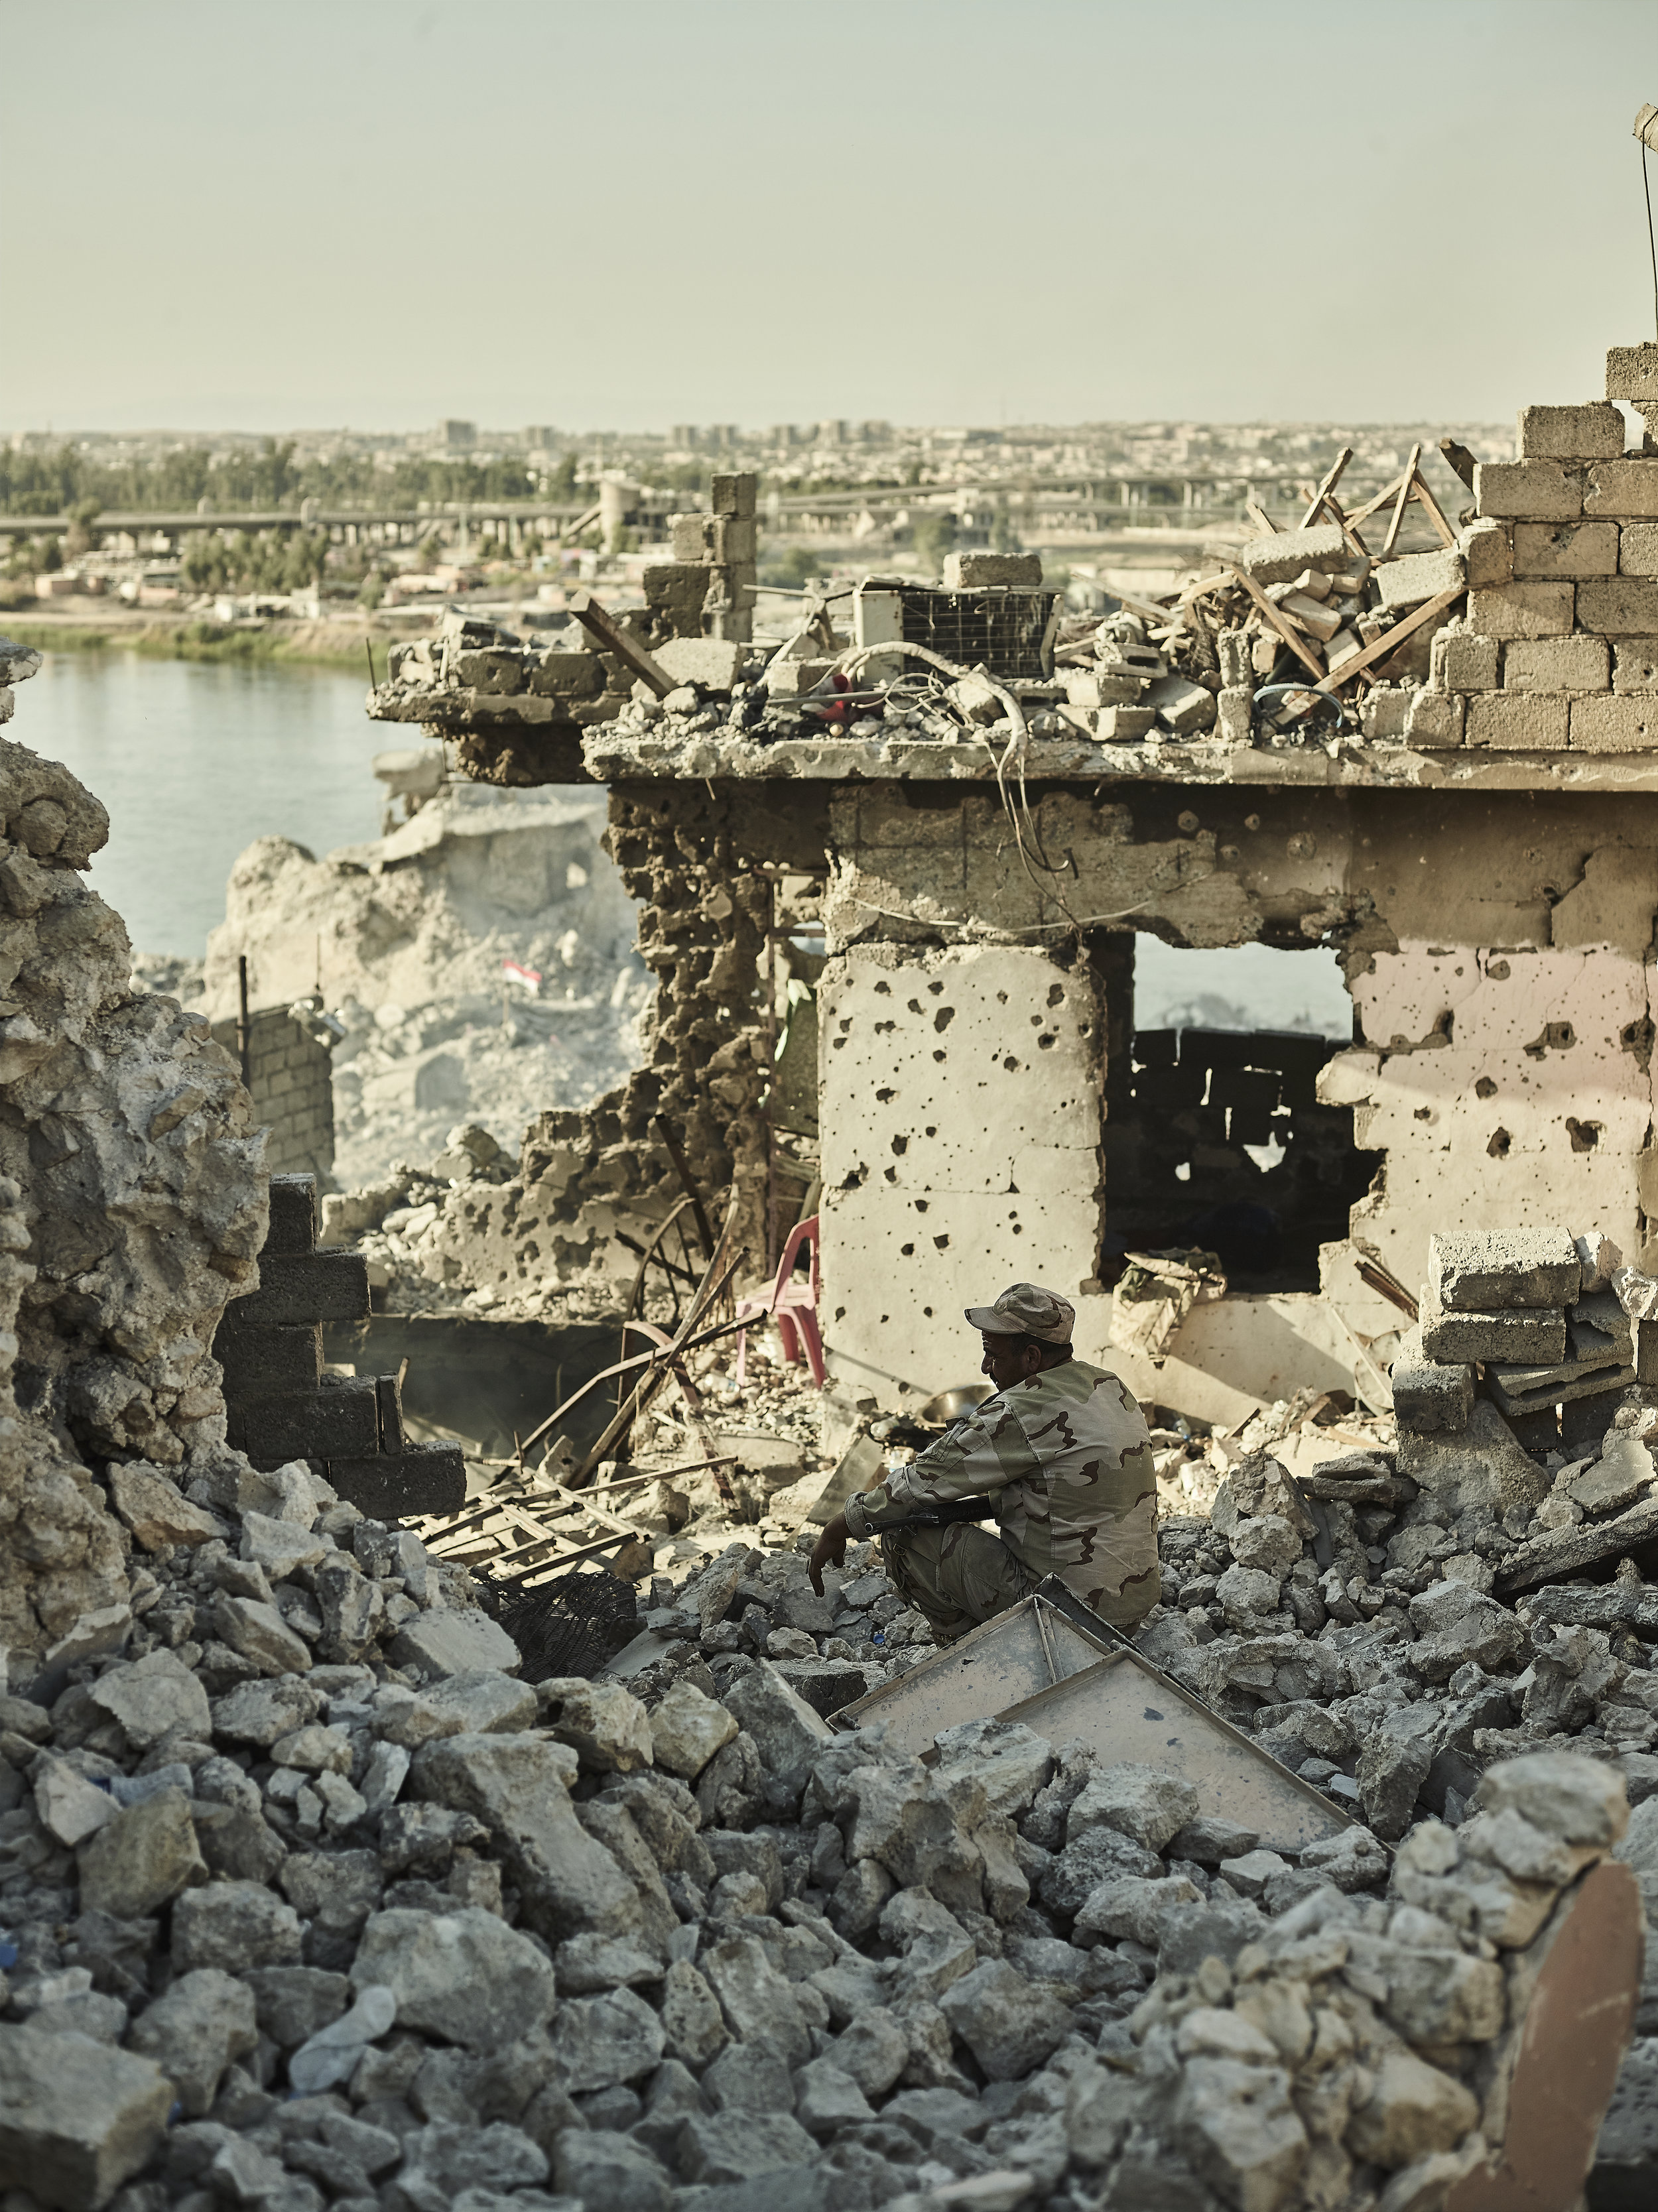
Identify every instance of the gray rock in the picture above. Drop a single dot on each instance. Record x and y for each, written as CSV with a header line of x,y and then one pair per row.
x,y
259,1633
443,1642
465,1976
1192,1933
1580,1800
604,1724
234,1925
786,1734
260,1712
747,2077
1100,1853
151,1696
142,1859
1394,1762
516,1785
485,1702
77,2119
829,2100
70,1808
1239,2128
588,1964
336,1891
290,2003
687,1728
874,2050
609,2173
1147,1807
451,2157
726,2146
102,2018
693,2027
1628,2134
758,2005
1129,1905
1209,1839
599,2041
1009,2024
1483,1465
206,2021
1009,1761
1454,1624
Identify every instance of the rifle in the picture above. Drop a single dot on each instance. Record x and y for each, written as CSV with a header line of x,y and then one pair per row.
x,y
942,1516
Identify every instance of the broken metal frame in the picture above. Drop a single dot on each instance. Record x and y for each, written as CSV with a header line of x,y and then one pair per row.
x,y
986,1647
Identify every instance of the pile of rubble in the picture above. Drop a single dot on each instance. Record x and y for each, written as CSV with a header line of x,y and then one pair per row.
x,y
477,962
305,1894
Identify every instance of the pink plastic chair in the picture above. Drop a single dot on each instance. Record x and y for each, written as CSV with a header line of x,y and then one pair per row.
x,y
792,1303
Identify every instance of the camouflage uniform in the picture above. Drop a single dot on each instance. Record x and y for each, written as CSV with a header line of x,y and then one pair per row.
x,y
1069,1455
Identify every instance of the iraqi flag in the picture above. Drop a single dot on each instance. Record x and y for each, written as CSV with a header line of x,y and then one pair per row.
x,y
529,977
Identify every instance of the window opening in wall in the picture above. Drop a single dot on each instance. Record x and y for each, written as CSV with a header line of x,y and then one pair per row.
x,y
1214,1134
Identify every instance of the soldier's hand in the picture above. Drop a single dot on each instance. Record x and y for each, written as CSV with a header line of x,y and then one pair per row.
x,y
829,1550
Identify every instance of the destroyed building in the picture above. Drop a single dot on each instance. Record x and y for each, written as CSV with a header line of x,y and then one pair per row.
x,y
1435,763
310,1890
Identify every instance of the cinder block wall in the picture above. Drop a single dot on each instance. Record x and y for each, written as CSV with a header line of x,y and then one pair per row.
x,y
292,1089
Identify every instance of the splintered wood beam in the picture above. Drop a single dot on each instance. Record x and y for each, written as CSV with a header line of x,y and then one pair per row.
x,y
1391,639
1329,484
1406,485
1291,636
1448,536
627,648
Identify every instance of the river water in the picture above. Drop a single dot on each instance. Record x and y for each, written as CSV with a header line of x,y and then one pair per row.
x,y
194,759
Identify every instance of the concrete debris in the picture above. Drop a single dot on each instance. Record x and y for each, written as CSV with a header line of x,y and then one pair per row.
x,y
404,938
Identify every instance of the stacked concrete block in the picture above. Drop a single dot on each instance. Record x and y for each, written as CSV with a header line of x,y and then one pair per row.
x,y
720,550
290,1078
1558,651
1530,1308
282,1407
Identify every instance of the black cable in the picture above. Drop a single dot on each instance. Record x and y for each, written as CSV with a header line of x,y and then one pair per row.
x,y
1652,244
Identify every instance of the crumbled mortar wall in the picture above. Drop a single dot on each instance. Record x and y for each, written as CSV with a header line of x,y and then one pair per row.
x,y
1496,950
692,859
291,1081
134,1198
960,1104
404,938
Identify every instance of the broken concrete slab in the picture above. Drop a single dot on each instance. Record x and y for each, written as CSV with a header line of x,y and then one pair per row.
x,y
1507,1334
1430,1396
1483,1465
1565,1552
77,2119
1476,1271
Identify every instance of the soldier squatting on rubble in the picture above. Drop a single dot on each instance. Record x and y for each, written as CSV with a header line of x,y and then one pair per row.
x,y
1065,1450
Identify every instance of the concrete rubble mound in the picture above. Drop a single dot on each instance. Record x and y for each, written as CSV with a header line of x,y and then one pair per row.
x,y
477,962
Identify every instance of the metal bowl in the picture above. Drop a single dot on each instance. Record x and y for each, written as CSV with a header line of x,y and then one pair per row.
x,y
951,1405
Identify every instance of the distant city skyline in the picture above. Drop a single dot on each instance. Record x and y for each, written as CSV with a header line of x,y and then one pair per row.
x,y
1054,212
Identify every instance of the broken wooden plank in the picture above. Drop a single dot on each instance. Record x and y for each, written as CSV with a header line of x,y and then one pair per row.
x,y
1405,484
1374,506
1448,536
627,648
1291,637
1392,638
1331,479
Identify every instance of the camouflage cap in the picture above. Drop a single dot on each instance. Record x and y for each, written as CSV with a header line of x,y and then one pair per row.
x,y
1027,1310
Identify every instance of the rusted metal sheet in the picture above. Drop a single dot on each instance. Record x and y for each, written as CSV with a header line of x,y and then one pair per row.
x,y
1041,1664
1129,1712
1029,1648
1566,2051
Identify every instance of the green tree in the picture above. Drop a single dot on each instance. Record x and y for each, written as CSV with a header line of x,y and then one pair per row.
x,y
932,536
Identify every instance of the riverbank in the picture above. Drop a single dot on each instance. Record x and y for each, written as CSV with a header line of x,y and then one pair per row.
x,y
344,643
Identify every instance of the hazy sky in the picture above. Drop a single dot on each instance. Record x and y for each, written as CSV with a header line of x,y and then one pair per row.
x,y
377,212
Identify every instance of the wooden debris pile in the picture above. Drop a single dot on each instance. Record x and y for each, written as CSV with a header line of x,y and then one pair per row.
x,y
1289,634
